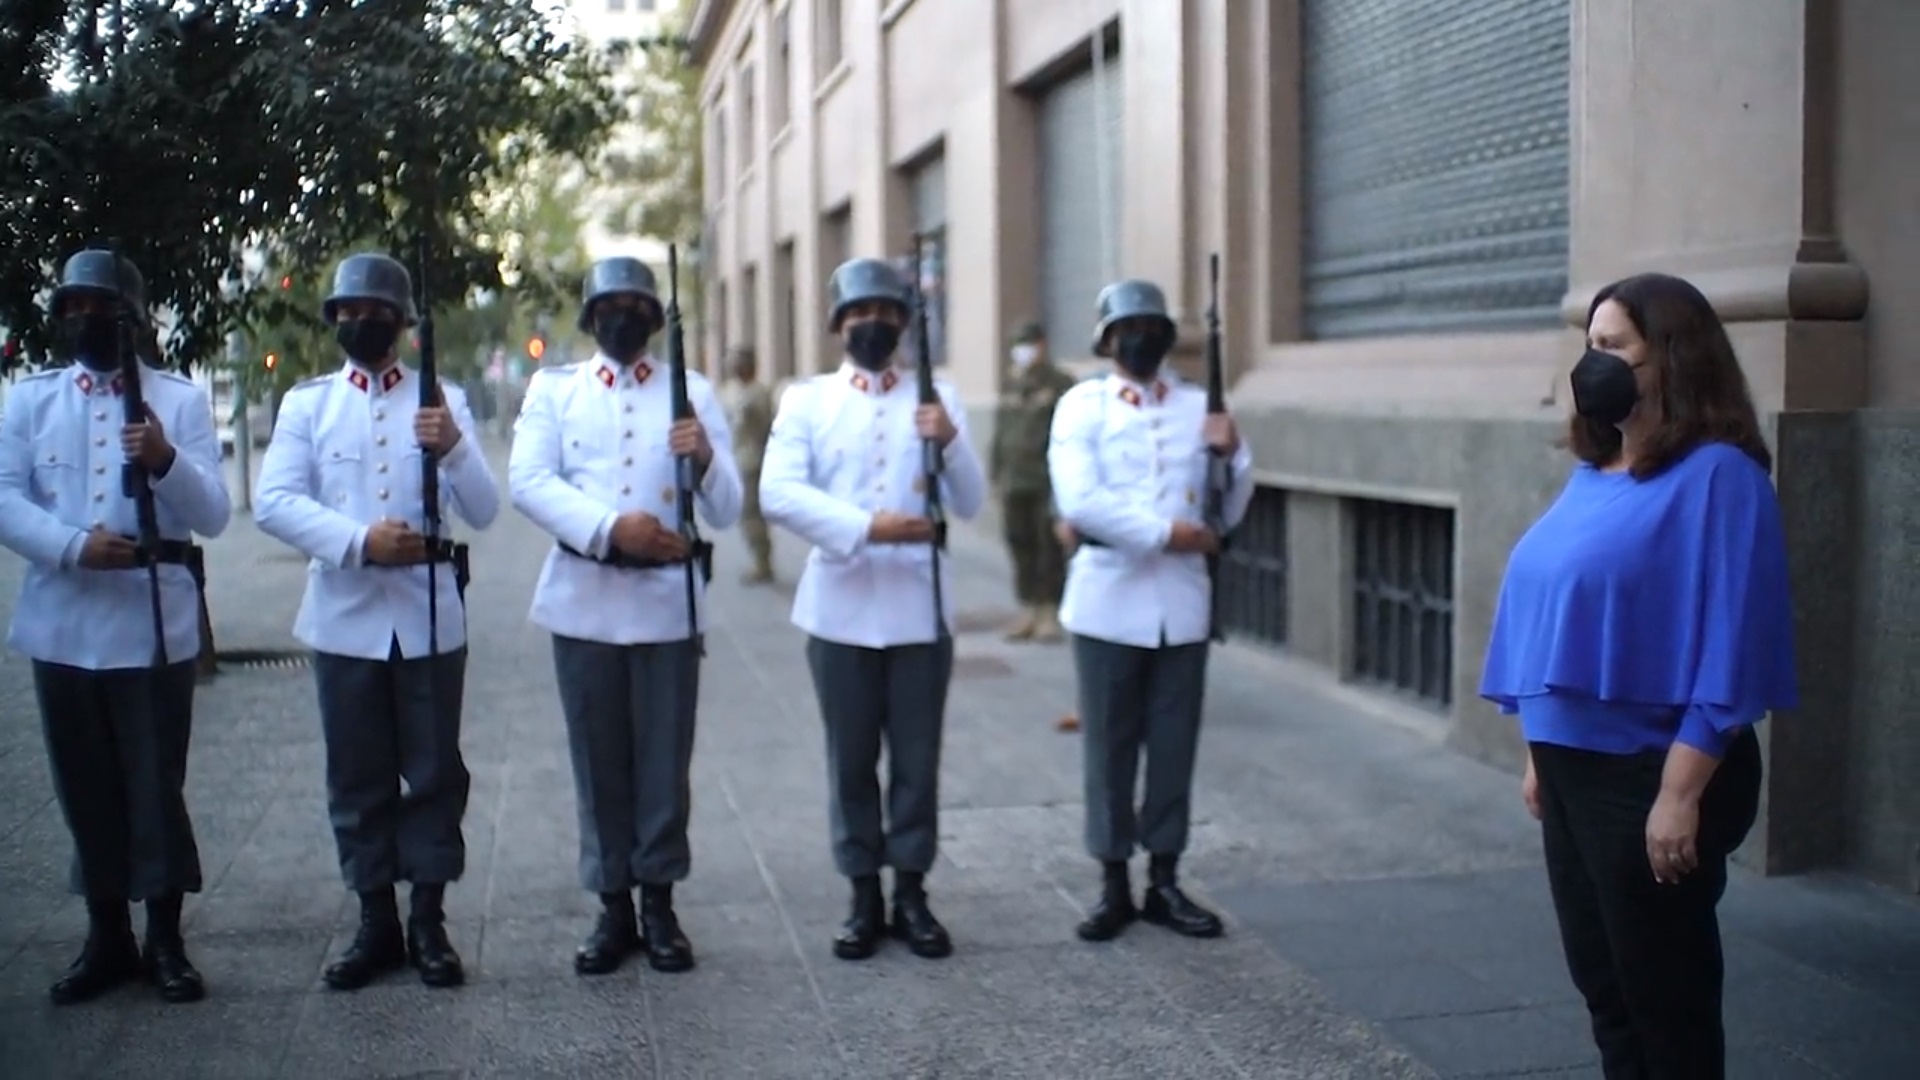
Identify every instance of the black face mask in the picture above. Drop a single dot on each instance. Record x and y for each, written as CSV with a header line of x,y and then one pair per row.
x,y
95,339
366,341
1139,352
871,343
1604,389
622,334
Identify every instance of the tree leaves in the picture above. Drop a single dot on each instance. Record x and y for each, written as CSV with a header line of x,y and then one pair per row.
x,y
304,126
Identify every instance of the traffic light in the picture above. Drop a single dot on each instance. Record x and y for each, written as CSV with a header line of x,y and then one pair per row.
x,y
273,361
286,283
536,348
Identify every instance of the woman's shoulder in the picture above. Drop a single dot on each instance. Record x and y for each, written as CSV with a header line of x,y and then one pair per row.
x,y
1721,462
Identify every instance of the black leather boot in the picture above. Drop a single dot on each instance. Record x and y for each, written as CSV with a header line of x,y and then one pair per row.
x,y
859,936
1114,911
667,946
109,958
378,946
428,949
167,966
1167,906
913,920
616,936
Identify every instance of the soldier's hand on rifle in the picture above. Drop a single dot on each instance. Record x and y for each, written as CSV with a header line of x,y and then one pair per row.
x,y
394,543
642,536
1221,436
435,429
108,551
932,422
146,443
1192,538
689,437
888,527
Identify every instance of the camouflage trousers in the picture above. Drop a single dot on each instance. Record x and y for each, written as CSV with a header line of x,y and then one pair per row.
x,y
753,524
1039,563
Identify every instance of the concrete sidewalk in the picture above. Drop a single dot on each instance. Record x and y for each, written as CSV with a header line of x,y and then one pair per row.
x,y
1388,914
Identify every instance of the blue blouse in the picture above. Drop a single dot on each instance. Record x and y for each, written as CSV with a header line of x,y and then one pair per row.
x,y
1639,613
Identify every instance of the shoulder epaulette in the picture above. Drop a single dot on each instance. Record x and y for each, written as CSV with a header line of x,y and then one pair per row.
x,y
173,376
307,384
41,374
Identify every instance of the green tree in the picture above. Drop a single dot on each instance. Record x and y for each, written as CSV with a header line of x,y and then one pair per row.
x,y
656,170
194,133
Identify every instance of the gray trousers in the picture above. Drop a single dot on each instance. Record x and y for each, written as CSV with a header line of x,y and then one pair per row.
x,y
117,741
1133,698
897,696
386,721
630,722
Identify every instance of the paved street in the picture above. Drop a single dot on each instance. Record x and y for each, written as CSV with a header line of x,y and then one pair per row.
x,y
1387,911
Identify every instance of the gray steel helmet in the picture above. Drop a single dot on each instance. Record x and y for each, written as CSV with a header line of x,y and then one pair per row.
x,y
1129,299
860,280
371,276
92,272
620,274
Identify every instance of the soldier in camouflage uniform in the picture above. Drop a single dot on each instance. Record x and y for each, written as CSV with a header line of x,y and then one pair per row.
x,y
1019,475
750,412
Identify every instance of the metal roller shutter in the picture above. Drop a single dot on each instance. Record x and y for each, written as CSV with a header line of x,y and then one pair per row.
x,y
1434,138
1080,185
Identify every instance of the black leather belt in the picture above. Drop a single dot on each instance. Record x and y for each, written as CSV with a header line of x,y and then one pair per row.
x,y
444,552
173,553
620,560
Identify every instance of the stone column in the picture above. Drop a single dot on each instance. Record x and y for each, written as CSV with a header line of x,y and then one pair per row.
x,y
1703,146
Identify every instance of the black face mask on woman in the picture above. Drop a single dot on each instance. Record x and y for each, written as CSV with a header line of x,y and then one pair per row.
x,y
1604,389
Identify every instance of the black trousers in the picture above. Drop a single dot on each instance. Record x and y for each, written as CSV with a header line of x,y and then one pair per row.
x,y
1646,956
117,741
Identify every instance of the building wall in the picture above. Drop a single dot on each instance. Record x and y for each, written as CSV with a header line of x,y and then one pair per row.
x,y
1756,147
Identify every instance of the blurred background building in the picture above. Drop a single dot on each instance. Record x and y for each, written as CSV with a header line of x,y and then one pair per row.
x,y
1414,201
618,25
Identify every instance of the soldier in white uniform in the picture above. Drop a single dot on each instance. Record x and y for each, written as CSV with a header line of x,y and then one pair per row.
x,y
116,706
593,464
1128,455
341,483
843,471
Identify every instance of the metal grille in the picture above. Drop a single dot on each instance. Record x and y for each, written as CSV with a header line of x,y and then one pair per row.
x,y
1403,598
1253,572
1080,149
1435,164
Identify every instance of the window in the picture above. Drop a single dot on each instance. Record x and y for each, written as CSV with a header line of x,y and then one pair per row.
x,y
749,146
616,6
829,35
780,78
643,5
718,150
1403,559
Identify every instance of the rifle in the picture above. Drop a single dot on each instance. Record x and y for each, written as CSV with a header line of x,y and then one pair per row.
x,y
1214,510
932,462
431,522
698,550
135,482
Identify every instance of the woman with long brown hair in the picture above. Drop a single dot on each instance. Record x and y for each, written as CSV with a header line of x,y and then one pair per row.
x,y
1644,627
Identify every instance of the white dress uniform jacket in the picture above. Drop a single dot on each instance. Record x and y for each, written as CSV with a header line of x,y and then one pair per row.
x,y
1128,461
60,470
844,448
591,444
343,457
